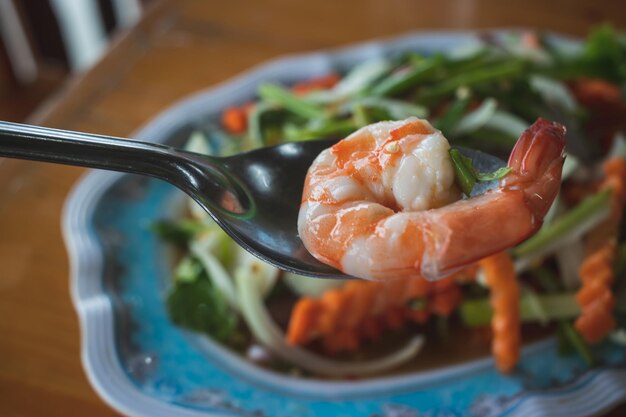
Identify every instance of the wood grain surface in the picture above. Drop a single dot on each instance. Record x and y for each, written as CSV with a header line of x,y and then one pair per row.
x,y
178,48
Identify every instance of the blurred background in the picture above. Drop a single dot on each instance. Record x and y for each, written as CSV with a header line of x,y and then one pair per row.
x,y
44,42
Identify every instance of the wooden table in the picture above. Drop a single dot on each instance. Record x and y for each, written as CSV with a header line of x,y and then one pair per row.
x,y
178,48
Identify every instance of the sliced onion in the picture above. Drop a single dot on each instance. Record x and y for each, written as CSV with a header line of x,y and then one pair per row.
x,y
270,335
534,304
263,274
360,77
569,258
619,146
507,123
477,118
204,248
618,336
553,92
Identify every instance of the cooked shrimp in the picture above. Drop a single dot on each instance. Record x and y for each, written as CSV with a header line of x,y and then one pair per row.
x,y
382,203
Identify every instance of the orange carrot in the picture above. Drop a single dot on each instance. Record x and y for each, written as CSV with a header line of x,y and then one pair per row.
x,y
595,296
605,103
235,120
345,317
502,280
320,83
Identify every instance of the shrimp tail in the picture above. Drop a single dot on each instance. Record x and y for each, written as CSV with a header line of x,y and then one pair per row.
x,y
503,217
536,161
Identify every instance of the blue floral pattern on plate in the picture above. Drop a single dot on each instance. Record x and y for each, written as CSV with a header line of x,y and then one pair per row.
x,y
143,365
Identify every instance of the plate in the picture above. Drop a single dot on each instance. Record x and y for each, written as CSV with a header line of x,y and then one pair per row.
x,y
143,365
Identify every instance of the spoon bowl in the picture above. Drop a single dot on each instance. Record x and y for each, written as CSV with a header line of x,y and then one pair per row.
x,y
254,196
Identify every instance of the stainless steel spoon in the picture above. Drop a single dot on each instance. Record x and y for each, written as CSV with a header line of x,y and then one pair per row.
x,y
254,196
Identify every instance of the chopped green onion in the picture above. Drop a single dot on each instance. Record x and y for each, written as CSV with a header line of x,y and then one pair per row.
x,y
452,116
403,80
361,78
463,169
255,129
568,336
496,175
467,175
278,95
547,280
486,73
179,232
324,129
552,307
417,304
535,304
570,226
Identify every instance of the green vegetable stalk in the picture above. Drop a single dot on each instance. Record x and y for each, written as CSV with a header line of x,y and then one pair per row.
x,y
467,175
552,307
577,220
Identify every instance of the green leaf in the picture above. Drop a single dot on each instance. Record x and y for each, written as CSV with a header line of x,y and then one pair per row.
x,y
407,78
489,72
179,231
197,305
452,116
464,173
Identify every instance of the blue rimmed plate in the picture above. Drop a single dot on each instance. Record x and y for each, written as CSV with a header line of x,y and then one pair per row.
x,y
143,365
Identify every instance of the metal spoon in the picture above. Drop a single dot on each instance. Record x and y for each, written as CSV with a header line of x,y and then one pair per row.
x,y
254,196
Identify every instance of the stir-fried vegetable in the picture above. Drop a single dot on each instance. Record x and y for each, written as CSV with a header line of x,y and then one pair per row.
x,y
483,97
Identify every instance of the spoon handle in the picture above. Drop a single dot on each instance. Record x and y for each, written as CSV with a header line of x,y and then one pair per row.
x,y
83,149
204,178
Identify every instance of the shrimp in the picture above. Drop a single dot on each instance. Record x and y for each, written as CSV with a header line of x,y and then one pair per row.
x,y
382,203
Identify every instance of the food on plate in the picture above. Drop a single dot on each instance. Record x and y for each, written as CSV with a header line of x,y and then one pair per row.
x,y
566,281
382,204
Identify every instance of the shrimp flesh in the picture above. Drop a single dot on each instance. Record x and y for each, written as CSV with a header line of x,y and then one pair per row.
x,y
382,203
